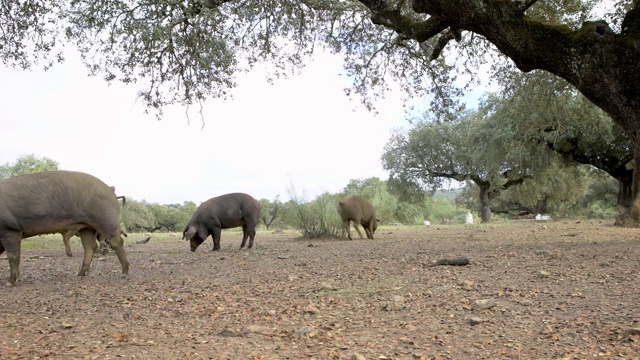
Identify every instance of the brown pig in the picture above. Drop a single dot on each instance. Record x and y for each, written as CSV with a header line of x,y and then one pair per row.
x,y
361,212
58,202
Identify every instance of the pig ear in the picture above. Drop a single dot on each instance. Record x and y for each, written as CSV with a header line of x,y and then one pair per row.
x,y
187,235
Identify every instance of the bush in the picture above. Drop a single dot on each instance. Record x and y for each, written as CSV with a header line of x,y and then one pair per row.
x,y
600,210
318,218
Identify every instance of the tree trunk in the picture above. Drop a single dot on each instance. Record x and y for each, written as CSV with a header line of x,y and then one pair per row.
x,y
485,209
634,214
625,192
635,186
630,215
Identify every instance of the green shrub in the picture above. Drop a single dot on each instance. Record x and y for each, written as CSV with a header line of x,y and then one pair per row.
x,y
600,210
318,218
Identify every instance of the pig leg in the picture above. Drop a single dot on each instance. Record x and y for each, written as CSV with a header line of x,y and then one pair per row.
x,y
245,235
65,239
252,234
216,238
10,241
117,244
369,230
89,243
356,224
347,228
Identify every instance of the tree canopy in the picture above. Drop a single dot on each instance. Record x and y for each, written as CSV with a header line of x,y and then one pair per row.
x,y
187,51
466,149
28,164
270,210
543,110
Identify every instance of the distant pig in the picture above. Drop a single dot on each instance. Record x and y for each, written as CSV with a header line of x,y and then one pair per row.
x,y
59,202
361,212
223,212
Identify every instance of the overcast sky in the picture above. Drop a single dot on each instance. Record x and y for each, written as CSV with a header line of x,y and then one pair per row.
x,y
302,131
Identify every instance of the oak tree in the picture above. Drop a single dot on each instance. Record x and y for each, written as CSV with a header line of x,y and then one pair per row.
x,y
187,51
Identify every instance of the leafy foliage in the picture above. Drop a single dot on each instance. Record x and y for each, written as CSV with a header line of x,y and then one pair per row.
x,y
138,217
270,211
432,155
318,218
541,110
183,52
173,217
28,164
186,51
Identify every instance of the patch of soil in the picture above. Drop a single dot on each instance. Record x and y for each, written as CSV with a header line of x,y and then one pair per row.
x,y
559,290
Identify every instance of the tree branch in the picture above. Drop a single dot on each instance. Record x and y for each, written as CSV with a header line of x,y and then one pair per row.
x,y
392,18
599,63
524,5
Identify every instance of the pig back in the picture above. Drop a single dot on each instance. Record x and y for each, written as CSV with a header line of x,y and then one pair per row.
x,y
55,200
228,211
353,207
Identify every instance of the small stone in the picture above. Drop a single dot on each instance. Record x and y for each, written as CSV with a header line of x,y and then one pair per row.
x,y
357,356
256,329
468,284
526,302
311,309
327,287
484,304
306,331
543,274
547,330
475,321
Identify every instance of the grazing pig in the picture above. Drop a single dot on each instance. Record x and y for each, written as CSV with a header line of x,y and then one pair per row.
x,y
223,212
361,212
58,202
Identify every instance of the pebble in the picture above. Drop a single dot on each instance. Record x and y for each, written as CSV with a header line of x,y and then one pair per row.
x,y
543,274
484,304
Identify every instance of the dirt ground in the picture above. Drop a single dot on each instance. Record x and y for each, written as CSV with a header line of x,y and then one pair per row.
x,y
556,290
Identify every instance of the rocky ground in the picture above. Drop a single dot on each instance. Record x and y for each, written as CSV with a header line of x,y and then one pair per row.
x,y
556,290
